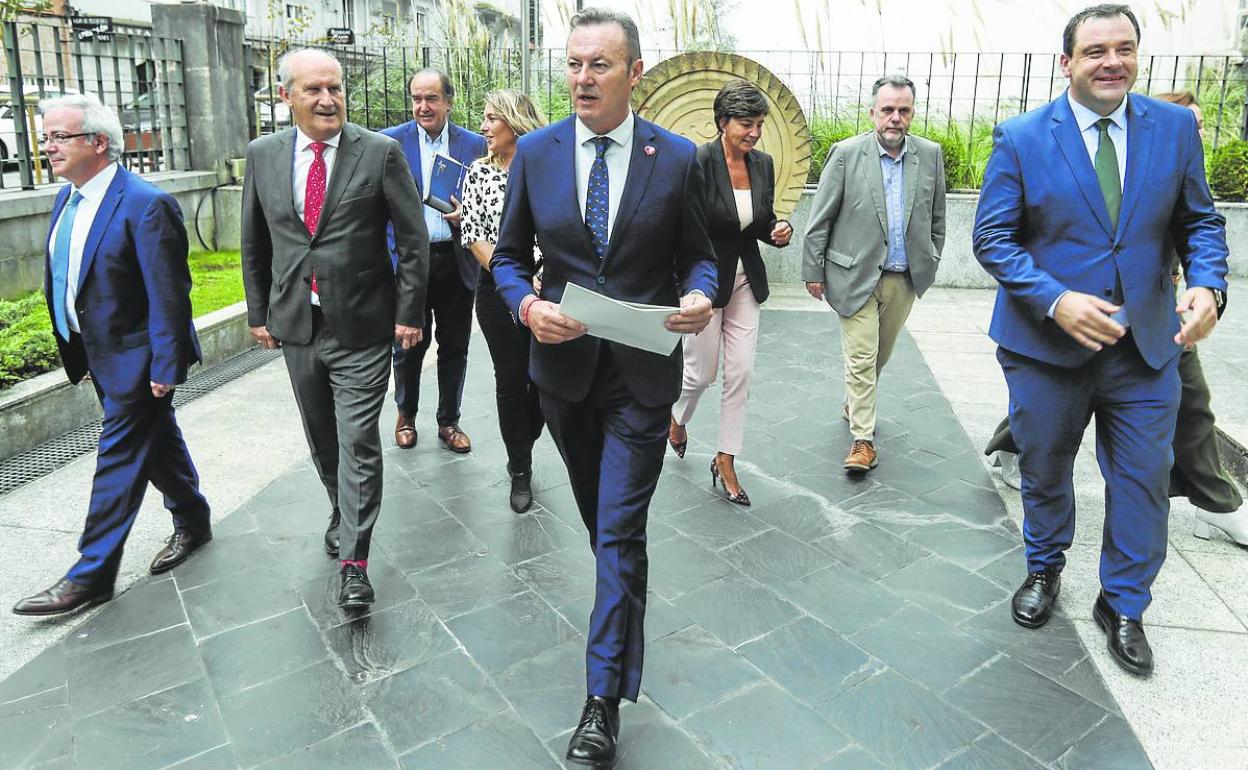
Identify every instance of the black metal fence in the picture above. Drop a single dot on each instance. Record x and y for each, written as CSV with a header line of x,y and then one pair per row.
x,y
129,69
961,92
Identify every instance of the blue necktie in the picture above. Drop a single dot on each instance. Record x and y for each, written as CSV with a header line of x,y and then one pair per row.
x,y
597,198
60,264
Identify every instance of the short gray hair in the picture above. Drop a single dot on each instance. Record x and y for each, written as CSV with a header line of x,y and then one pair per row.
x,y
593,16
284,75
896,80
98,119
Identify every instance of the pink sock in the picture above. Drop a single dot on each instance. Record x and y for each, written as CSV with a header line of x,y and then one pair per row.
x,y
360,563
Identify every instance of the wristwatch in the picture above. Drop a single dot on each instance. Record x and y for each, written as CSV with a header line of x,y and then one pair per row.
x,y
1219,300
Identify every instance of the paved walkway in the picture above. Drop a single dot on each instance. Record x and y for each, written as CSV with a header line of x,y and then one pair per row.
x,y
835,624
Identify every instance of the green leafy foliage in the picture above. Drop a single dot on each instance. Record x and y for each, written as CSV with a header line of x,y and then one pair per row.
x,y
27,347
1228,171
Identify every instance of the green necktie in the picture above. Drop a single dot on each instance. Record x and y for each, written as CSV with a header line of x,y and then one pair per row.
x,y
1106,165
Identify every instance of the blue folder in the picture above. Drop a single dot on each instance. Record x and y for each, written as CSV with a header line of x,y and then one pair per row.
x,y
446,181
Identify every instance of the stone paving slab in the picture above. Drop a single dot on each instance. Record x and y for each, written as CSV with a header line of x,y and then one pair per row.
x,y
840,622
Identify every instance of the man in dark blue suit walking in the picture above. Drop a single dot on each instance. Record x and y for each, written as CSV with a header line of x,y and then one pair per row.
x,y
615,203
1079,200
452,270
118,290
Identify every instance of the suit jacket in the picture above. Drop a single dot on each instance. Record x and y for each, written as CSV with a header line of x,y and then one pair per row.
x,y
362,295
465,147
133,301
659,250
729,242
846,240
1042,227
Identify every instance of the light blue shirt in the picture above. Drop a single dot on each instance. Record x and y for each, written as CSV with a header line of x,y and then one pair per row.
x,y
439,230
1091,135
894,200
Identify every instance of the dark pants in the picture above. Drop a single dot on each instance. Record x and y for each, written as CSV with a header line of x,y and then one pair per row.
x,y
1135,408
1198,473
139,442
340,392
613,448
519,407
448,306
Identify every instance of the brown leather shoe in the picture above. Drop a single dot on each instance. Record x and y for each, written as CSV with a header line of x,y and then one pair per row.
x,y
65,596
178,548
455,439
405,432
862,456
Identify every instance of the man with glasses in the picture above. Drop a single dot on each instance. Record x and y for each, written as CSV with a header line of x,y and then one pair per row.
x,y
118,290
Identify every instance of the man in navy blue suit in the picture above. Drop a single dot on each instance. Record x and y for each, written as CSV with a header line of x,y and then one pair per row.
x,y
452,270
118,290
615,204
1079,200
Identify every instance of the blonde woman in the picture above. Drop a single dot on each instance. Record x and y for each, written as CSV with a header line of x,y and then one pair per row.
x,y
508,115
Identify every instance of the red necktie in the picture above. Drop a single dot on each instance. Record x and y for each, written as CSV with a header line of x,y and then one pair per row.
x,y
314,193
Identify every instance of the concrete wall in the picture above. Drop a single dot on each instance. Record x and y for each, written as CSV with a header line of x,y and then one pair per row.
x,y
47,406
24,216
958,268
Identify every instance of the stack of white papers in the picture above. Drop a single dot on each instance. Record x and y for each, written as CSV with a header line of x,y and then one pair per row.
x,y
628,323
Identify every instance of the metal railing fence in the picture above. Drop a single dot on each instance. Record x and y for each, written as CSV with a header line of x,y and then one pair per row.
x,y
137,74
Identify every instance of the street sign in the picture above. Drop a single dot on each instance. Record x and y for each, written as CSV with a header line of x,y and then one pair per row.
x,y
340,36
92,23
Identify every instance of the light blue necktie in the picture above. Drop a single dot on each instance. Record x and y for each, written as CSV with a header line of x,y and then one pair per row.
x,y
597,198
60,264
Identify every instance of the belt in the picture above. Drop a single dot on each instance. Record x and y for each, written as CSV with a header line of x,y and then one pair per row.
x,y
442,246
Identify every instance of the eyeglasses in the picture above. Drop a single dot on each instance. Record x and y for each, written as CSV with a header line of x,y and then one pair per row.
x,y
61,138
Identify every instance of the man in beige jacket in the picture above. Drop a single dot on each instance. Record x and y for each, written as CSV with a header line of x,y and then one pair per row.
x,y
877,226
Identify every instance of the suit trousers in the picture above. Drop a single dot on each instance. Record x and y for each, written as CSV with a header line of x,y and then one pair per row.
x,y
734,330
448,314
139,442
867,340
519,405
1135,408
613,448
1198,473
340,392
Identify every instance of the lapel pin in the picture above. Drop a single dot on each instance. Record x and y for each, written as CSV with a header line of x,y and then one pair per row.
x,y
649,149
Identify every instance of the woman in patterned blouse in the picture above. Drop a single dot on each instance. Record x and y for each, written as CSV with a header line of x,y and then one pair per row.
x,y
508,114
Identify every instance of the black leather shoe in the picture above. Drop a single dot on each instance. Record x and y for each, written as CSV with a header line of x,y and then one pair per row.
x,y
65,596
521,498
1033,601
1124,637
356,591
331,534
178,549
593,743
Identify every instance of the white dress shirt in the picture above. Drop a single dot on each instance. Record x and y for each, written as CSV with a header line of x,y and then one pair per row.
x,y
618,156
303,162
92,196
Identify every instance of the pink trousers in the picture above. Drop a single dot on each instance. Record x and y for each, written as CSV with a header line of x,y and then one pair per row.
x,y
734,331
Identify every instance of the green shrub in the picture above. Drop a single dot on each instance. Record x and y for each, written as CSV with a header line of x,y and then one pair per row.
x,y
27,347
1228,171
825,132
954,150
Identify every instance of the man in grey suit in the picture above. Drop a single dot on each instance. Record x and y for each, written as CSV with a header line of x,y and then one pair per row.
x,y
319,283
877,226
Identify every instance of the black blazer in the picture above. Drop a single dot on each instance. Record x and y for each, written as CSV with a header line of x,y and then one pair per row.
x,y
728,240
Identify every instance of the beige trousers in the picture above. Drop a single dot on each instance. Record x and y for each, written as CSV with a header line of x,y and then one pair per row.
x,y
734,330
867,340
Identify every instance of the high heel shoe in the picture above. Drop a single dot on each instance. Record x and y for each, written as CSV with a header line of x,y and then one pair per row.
x,y
1233,525
740,498
678,447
